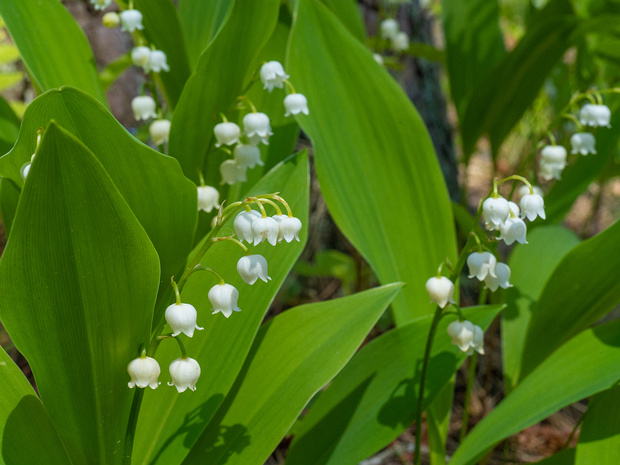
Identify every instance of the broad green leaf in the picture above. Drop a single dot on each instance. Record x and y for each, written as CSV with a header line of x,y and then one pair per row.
x,y
169,423
564,457
301,350
585,365
26,432
502,97
162,199
9,126
52,45
373,399
531,266
380,177
201,21
438,415
474,45
578,176
162,28
78,282
216,83
583,288
9,196
599,438
349,14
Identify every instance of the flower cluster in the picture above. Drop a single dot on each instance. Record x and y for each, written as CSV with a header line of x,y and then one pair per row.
x,y
390,30
256,127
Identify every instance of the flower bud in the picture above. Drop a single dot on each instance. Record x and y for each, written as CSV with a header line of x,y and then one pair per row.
x,y
143,372
295,104
111,20
400,43
272,75
182,319
184,372
440,290
223,298
252,267
389,28
160,131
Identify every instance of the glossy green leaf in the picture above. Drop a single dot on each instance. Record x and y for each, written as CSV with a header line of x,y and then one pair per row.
x,y
301,350
9,126
583,288
502,97
201,21
373,399
78,282
162,199
474,45
585,365
52,45
599,438
26,432
217,81
162,28
564,457
531,266
170,423
380,177
350,15
9,196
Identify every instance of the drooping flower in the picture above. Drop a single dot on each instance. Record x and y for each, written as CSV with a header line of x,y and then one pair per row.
x,y
140,57
550,171
272,75
226,133
257,128
265,229
158,61
583,143
400,43
501,278
252,267
288,227
160,131
389,28
514,229
462,334
295,104
532,205
131,20
440,290
524,189
101,4
143,372
248,155
184,372
143,107
223,298
595,115
514,208
232,172
243,225
495,211
208,198
481,264
554,155
477,343
182,319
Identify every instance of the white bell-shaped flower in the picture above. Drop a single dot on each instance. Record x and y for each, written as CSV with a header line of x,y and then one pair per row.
x,y
389,28
514,208
131,20
462,334
514,229
158,61
501,278
226,133
495,211
400,43
477,342
143,372
160,131
184,372
143,107
182,319
595,115
272,75
140,57
101,4
232,172
532,205
243,225
524,190
550,171
223,298
252,267
265,229
257,128
481,264
208,198
554,155
288,227
583,143
248,155
295,104
440,290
